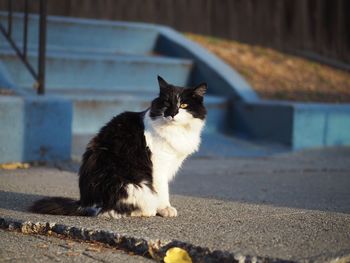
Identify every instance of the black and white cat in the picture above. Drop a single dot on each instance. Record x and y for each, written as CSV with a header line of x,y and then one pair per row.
x,y
127,166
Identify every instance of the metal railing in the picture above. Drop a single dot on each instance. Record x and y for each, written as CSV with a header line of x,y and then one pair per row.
x,y
22,52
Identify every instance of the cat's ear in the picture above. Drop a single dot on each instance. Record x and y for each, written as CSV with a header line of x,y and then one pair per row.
x,y
200,90
163,85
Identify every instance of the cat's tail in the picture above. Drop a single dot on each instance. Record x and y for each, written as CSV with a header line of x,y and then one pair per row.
x,y
61,206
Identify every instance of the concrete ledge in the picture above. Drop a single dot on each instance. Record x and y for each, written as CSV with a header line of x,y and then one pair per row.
x,y
35,128
299,125
319,125
216,114
12,129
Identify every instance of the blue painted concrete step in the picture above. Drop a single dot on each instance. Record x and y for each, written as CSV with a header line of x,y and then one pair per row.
x,y
92,109
34,128
67,70
69,34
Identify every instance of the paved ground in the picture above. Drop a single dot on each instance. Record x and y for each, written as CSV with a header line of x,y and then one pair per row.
x,y
38,248
289,206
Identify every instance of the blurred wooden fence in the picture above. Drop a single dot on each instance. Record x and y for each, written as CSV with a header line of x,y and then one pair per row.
x,y
308,27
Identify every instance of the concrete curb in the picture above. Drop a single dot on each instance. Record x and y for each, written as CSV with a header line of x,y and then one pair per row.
x,y
155,249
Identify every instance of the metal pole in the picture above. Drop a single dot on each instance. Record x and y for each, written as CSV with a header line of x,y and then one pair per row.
x,y
9,18
25,30
42,47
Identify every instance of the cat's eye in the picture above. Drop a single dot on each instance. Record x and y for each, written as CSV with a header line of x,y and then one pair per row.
x,y
183,105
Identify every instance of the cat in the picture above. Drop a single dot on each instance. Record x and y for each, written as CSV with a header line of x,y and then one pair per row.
x,y
127,166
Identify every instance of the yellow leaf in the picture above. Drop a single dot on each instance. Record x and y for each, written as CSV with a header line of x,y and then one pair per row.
x,y
14,166
177,255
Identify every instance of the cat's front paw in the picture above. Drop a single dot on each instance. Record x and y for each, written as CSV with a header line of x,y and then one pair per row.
x,y
139,213
110,214
167,212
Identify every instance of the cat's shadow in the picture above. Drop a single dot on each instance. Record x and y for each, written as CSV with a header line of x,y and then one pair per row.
x,y
17,201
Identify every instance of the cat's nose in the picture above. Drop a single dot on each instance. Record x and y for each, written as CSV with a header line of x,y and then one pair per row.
x,y
170,114
174,113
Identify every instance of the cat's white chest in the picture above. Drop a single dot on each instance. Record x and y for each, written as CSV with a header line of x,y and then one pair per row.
x,y
170,145
165,160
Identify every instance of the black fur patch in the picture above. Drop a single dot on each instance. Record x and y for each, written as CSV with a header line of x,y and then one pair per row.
x,y
116,157
60,206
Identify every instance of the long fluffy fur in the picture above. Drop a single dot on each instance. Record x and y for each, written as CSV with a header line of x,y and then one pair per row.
x,y
61,206
116,157
127,166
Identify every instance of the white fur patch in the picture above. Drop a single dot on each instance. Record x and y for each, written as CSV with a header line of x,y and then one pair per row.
x,y
110,214
167,212
142,197
170,141
179,136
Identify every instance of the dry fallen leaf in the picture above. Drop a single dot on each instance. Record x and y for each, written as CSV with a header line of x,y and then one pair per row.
x,y
72,254
177,255
93,249
14,166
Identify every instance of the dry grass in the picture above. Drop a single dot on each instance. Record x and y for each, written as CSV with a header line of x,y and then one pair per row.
x,y
275,75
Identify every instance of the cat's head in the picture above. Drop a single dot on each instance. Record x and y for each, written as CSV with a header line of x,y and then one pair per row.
x,y
178,104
